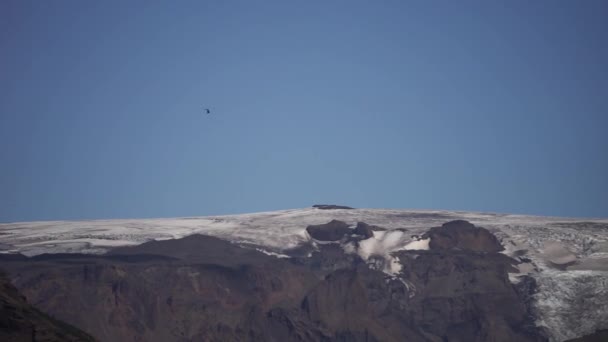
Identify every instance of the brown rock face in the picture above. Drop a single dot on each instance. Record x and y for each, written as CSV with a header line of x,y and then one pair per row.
x,y
197,288
19,321
464,236
204,289
360,304
466,296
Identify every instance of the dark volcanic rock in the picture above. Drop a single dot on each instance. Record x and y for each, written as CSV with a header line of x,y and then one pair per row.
x,y
598,336
330,206
19,321
201,288
329,258
195,248
360,305
466,296
332,231
366,230
13,257
463,235
213,297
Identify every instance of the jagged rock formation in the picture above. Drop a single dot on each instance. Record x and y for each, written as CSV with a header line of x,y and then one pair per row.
x,y
205,288
19,321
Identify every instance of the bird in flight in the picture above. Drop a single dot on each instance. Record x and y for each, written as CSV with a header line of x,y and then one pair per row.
x,y
207,111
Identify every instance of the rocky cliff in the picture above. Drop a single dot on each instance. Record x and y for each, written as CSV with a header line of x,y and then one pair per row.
x,y
20,321
202,288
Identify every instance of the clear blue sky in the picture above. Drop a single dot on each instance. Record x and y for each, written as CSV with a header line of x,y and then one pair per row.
x,y
486,105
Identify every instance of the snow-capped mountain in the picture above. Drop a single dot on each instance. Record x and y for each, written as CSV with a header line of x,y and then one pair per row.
x,y
567,258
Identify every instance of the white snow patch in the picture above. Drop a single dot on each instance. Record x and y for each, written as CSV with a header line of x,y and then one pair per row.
x,y
349,248
394,266
422,244
278,255
382,244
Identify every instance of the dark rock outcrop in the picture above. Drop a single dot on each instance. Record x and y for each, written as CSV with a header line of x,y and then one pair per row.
x,y
329,258
330,206
209,290
331,231
194,248
361,305
462,235
366,230
19,321
465,296
598,336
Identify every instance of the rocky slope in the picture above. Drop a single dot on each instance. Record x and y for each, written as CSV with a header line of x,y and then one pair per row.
x,y
19,321
207,289
319,275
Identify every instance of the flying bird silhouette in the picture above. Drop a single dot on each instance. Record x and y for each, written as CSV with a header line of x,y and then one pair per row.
x,y
207,111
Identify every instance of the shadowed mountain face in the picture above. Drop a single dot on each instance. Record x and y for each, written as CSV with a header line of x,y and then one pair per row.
x,y
19,321
202,288
598,336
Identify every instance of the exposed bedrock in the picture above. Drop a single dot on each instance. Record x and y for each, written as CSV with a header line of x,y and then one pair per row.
x,y
463,235
366,230
20,321
335,230
331,231
206,289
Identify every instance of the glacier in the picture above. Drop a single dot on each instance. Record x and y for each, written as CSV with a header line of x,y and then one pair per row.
x,y
567,257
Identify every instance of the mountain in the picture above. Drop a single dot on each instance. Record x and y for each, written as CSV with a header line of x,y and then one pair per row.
x,y
19,321
320,274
